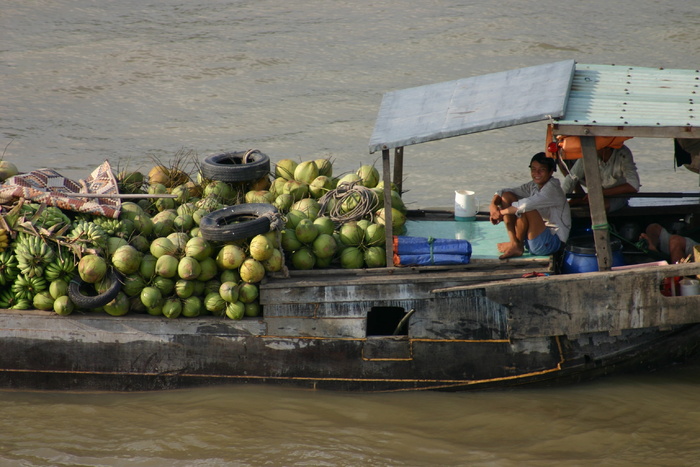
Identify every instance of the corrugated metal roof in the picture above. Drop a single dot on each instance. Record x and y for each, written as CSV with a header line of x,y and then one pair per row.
x,y
454,108
602,100
611,99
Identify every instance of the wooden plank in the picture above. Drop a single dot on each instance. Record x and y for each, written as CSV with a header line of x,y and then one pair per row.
x,y
317,327
378,289
574,304
596,202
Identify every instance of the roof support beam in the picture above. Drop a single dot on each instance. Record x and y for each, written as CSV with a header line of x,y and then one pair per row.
x,y
596,203
388,218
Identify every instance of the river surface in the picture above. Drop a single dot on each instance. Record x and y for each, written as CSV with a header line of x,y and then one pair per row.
x,y
135,81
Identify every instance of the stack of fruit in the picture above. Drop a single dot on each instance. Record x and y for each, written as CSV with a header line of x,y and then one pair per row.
x,y
62,260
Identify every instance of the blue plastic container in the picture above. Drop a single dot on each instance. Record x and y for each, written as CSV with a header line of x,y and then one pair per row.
x,y
579,255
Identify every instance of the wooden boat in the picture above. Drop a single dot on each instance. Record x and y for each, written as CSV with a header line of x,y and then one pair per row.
x,y
490,323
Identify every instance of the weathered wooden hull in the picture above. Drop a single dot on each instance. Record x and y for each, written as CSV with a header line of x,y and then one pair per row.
x,y
329,331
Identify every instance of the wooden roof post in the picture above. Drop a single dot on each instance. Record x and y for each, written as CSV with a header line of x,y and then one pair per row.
x,y
398,169
596,203
389,233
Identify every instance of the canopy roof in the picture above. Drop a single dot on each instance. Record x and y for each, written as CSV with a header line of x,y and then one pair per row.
x,y
597,100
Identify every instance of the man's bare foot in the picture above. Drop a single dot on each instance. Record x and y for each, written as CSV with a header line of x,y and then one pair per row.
x,y
503,246
512,251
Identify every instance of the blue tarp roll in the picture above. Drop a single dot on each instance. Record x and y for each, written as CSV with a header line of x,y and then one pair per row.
x,y
430,251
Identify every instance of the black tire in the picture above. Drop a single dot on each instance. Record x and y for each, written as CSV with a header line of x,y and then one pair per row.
x,y
237,222
94,301
236,167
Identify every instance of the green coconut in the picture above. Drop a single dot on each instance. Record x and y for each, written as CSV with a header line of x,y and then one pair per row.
x,y
306,231
198,248
375,235
253,309
325,225
92,268
369,175
140,242
162,246
303,258
296,189
214,303
191,307
351,234
289,241
252,270
308,206
113,243
235,310
7,170
397,218
166,285
230,257
172,308
325,167
126,259
259,196
375,257
324,246
119,306
229,291
306,172
293,218
209,269
63,306
323,262
143,224
188,268
349,178
43,301
147,268
247,292
283,202
151,296
230,275
184,288
133,284
261,248
275,262
58,288
166,266
219,191
352,258
183,223
320,185
285,169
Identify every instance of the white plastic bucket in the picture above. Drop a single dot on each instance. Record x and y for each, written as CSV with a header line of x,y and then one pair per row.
x,y
690,287
466,205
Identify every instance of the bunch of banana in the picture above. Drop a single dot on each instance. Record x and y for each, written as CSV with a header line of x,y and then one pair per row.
x,y
112,227
25,287
9,269
47,218
7,299
90,234
4,239
33,254
62,267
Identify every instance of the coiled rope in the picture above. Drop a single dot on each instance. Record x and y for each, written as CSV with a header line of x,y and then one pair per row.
x,y
366,202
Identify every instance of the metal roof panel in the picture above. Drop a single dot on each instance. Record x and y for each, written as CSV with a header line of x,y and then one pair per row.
x,y
454,108
632,99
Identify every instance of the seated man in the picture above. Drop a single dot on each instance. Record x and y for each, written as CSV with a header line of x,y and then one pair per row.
x,y
675,246
536,214
618,176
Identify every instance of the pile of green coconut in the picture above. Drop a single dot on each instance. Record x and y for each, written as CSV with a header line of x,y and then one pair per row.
x,y
163,263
